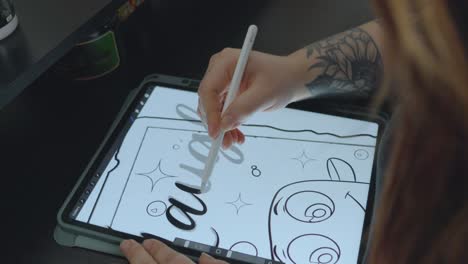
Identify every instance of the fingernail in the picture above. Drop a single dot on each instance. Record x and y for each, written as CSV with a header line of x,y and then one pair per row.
x,y
125,244
148,243
227,122
212,132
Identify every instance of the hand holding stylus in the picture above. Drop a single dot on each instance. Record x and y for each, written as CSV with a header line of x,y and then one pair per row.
x,y
232,91
155,252
270,82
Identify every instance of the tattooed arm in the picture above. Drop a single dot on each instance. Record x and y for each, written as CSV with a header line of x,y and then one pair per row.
x,y
347,64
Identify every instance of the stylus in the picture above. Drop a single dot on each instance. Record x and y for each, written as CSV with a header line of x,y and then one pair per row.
x,y
231,94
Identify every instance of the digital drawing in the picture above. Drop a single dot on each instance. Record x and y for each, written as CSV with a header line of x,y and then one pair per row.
x,y
303,159
311,131
238,204
320,210
156,175
255,171
361,154
216,243
187,210
245,247
339,169
348,194
307,207
116,158
156,208
195,121
325,250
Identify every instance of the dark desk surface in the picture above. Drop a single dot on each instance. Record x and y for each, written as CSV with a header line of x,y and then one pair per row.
x,y
47,30
49,132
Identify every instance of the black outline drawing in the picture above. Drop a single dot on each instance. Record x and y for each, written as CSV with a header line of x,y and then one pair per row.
x,y
253,136
197,212
358,153
352,197
274,207
312,259
237,202
244,242
185,209
216,243
323,207
337,173
128,177
158,214
268,137
195,118
303,159
187,118
158,167
116,158
311,131
256,172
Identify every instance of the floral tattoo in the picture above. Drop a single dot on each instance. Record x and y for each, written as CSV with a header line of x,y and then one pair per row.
x,y
347,63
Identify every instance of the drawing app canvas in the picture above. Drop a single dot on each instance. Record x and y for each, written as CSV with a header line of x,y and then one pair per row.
x,y
295,191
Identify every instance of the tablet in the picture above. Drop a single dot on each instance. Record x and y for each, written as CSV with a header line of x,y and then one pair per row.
x,y
296,191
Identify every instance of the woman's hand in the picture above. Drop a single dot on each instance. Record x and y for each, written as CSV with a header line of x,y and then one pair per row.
x,y
269,82
156,252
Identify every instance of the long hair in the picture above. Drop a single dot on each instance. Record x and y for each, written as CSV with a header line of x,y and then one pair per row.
x,y
422,216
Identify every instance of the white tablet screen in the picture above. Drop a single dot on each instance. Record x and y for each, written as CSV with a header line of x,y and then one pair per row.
x,y
295,191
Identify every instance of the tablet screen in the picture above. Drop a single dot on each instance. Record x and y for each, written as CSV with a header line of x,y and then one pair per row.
x,y
295,191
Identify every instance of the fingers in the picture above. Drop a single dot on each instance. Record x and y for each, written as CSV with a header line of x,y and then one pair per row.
x,y
215,81
241,137
135,253
207,259
156,252
163,254
232,137
242,107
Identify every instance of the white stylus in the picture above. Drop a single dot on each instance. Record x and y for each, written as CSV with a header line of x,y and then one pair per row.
x,y
232,92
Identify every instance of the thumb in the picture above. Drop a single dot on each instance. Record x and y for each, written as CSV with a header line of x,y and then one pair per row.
x,y
207,259
243,106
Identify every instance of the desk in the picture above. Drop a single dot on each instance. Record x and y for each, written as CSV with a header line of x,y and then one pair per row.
x,y
47,30
49,132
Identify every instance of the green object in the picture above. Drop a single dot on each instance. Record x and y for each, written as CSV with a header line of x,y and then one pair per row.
x,y
93,58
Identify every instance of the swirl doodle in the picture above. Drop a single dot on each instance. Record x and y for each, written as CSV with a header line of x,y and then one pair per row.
x,y
320,209
156,208
320,249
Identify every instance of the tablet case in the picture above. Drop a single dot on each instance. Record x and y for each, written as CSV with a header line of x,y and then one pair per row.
x,y
74,237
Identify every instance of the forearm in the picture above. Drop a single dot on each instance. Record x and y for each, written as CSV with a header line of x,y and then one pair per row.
x,y
347,64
